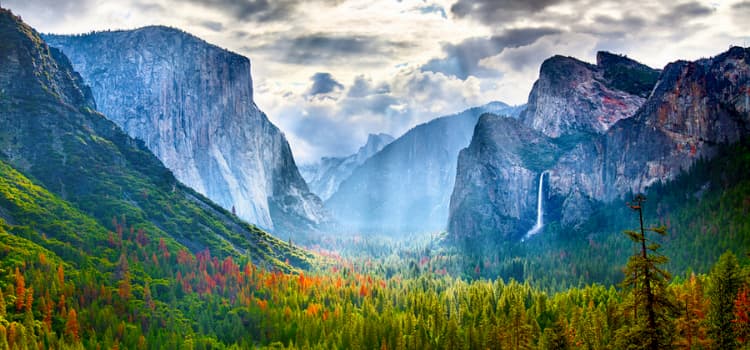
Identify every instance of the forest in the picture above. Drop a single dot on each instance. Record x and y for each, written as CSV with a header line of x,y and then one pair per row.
x,y
130,289
156,296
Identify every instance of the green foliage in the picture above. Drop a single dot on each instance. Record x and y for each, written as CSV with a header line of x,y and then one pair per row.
x,y
726,280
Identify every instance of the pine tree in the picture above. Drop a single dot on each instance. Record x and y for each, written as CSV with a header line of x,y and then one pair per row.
x,y
20,290
742,316
725,282
652,325
71,325
2,305
691,329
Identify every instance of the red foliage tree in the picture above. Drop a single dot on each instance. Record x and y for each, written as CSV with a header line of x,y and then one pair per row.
x,y
20,283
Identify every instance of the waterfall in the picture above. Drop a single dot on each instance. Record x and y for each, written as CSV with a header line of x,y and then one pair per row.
x,y
539,210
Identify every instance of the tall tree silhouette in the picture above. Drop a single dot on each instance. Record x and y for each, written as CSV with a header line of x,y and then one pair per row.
x,y
652,327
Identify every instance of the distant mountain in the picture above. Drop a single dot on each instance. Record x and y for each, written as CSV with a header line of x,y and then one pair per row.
x,y
406,186
692,110
192,104
69,174
325,176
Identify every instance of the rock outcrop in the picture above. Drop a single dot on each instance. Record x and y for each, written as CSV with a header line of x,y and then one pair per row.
x,y
496,173
572,96
192,104
325,176
692,109
406,186
571,105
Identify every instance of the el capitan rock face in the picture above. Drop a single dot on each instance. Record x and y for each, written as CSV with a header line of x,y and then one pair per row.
x,y
694,107
192,104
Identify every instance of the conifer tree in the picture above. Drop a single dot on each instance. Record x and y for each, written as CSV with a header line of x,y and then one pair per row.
x,y
652,326
724,285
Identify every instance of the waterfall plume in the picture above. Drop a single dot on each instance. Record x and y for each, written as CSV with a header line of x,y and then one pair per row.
x,y
539,209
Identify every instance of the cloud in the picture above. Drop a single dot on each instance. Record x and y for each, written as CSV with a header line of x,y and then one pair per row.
x,y
462,59
683,13
258,10
322,48
364,86
323,83
212,25
741,12
498,11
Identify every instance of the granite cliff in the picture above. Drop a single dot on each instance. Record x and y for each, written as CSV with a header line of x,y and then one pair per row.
x,y
693,108
192,104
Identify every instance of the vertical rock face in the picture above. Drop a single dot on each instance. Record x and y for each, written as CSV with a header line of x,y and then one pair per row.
x,y
497,179
693,107
406,186
50,131
325,176
192,104
571,96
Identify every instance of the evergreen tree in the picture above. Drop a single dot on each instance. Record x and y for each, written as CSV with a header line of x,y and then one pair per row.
x,y
724,285
652,326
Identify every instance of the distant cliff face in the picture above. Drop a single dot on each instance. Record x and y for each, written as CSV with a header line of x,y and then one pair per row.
x,y
693,107
406,186
325,176
571,96
192,104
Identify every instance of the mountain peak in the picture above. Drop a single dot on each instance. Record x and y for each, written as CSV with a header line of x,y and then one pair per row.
x,y
572,96
29,67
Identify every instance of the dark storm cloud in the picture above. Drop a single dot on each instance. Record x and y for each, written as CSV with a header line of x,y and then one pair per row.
x,y
462,60
324,83
319,48
497,11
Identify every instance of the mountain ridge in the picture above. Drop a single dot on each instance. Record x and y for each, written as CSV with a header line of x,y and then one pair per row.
x,y
405,187
325,176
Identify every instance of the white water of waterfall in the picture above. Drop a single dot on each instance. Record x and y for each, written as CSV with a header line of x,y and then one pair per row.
x,y
539,210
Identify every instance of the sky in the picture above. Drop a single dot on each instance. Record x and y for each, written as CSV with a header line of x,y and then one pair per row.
x,y
329,72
